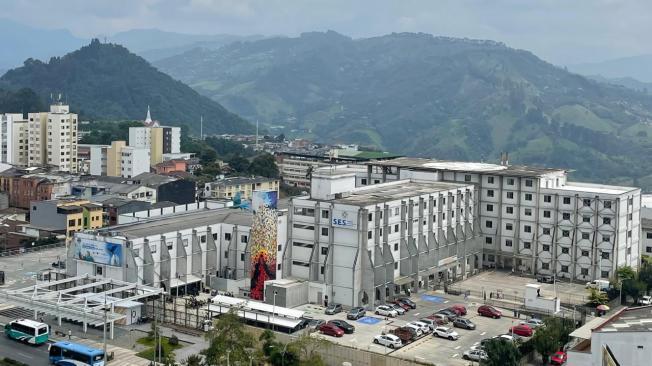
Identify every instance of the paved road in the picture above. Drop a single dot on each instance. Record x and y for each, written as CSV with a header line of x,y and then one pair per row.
x,y
25,353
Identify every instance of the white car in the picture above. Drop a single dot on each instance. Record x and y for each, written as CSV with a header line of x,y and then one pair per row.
x,y
475,355
645,300
420,325
398,308
388,340
445,332
386,311
417,328
533,323
432,324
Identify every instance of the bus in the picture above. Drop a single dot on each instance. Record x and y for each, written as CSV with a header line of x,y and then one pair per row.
x,y
68,353
28,331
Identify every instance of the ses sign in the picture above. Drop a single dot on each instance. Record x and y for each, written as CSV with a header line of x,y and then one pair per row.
x,y
342,222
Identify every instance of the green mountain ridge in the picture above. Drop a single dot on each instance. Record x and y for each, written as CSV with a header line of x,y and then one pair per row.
x,y
440,97
107,82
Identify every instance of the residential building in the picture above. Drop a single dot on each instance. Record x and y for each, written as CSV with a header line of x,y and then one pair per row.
x,y
171,166
14,139
91,188
646,225
157,139
534,220
228,188
31,184
95,157
178,252
134,161
364,245
624,338
168,188
66,216
113,206
52,139
119,160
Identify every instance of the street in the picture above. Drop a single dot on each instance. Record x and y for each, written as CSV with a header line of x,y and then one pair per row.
x,y
25,353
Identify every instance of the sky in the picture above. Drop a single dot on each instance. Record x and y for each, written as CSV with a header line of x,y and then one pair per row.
x,y
560,31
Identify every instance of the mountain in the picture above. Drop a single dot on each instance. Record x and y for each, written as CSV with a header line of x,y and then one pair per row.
x,y
107,82
19,101
20,42
635,67
421,95
154,44
627,82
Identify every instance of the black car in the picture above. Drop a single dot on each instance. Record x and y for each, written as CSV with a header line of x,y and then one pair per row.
x,y
346,327
356,313
451,315
408,302
463,323
333,309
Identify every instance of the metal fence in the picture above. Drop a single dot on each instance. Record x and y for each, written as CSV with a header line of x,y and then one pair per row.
x,y
19,251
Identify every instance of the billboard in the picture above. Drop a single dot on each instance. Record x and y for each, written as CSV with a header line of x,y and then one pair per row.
x,y
98,251
268,199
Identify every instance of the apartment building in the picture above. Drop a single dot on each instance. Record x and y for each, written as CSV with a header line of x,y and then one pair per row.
x,y
118,160
363,245
534,220
646,225
228,188
159,140
14,139
66,216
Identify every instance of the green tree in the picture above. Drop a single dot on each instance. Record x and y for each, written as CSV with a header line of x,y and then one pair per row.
x,y
634,288
239,164
229,338
193,360
645,276
597,297
307,348
501,352
625,273
264,165
552,336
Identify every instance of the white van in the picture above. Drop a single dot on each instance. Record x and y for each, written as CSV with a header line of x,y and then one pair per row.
x,y
602,285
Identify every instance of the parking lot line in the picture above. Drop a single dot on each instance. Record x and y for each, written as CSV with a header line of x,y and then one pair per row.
x,y
417,314
458,347
483,333
455,355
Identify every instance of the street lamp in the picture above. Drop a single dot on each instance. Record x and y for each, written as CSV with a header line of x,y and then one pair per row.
x,y
274,309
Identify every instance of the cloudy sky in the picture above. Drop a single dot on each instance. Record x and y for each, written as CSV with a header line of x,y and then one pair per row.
x,y
560,31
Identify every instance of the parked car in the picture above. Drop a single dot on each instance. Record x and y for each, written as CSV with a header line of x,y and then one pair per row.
x,y
331,330
533,323
602,285
399,309
406,334
403,306
559,358
342,324
408,302
425,328
645,300
489,311
356,313
475,355
460,309
457,312
416,328
502,337
385,310
388,340
315,323
441,319
432,324
445,332
522,330
451,315
544,278
333,309
464,323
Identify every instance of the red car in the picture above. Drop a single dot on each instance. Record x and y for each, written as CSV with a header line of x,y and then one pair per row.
x,y
459,309
403,305
522,329
559,358
490,311
331,330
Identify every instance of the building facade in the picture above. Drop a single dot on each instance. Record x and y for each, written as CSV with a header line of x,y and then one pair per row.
x,y
228,188
360,246
533,220
159,140
66,216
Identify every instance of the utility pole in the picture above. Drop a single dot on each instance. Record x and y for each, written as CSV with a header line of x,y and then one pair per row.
x,y
256,135
201,128
104,331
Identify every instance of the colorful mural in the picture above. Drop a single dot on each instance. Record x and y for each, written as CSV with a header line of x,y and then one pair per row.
x,y
268,199
263,250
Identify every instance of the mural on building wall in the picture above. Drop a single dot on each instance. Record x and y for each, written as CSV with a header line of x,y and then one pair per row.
x,y
263,249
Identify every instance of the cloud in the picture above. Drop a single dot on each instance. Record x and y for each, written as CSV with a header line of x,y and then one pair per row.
x,y
561,31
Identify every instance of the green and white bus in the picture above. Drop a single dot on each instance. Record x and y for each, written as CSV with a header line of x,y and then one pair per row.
x,y
28,331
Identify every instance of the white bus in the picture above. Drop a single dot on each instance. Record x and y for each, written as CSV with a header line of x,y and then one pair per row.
x,y
27,330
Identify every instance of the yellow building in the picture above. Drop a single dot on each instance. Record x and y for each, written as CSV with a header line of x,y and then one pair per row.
x,y
229,187
66,215
114,158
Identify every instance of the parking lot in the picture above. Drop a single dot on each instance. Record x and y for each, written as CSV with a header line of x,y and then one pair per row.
x,y
428,348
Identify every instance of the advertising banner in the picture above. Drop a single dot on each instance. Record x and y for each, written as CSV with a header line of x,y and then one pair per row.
x,y
97,251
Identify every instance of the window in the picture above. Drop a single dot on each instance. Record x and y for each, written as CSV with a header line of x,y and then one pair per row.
x,y
648,249
202,239
244,238
528,196
606,220
508,242
564,269
527,228
606,238
98,270
71,222
227,236
510,195
508,227
489,224
629,234
546,214
280,248
278,267
605,255
586,236
304,211
629,217
490,208
545,248
545,265
396,265
467,178
490,180
510,181
300,263
488,240
565,250
397,212
396,228
527,245
324,214
585,253
629,250
242,257
584,271
321,270
565,216
566,200
324,250
586,202
565,233
607,204
490,193
369,234
586,218
546,231
371,217
395,246
547,198
528,212
648,235
528,182
303,226
604,274
324,231
509,209
363,181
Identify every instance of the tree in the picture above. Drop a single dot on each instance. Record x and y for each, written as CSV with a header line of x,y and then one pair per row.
x,y
645,276
264,165
552,336
239,164
501,352
597,297
634,288
306,347
625,273
229,338
193,360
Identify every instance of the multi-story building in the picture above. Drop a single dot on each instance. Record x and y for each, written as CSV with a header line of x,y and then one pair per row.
x,y
646,225
229,188
67,216
26,185
534,220
118,160
14,139
362,245
157,139
134,161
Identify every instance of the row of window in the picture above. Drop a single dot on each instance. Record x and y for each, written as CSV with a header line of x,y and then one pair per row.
x,y
548,199
546,230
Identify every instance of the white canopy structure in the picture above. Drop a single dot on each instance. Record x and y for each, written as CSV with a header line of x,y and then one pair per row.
x,y
80,298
